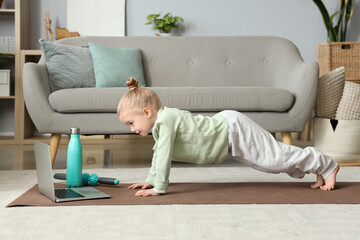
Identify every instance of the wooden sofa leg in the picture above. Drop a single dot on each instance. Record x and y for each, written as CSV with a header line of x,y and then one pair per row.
x,y
54,145
308,129
286,137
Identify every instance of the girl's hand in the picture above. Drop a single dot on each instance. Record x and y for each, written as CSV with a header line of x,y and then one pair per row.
x,y
144,185
146,193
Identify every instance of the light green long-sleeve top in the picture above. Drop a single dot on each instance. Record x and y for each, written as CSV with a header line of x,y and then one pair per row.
x,y
183,137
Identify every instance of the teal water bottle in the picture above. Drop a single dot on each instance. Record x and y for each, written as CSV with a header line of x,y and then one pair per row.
x,y
74,160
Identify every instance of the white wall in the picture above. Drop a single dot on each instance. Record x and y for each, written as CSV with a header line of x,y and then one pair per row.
x,y
38,8
297,20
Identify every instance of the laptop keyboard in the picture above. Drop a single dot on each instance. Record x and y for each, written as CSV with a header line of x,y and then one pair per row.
x,y
67,193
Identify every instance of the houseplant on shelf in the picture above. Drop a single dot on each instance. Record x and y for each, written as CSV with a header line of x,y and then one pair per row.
x,y
164,24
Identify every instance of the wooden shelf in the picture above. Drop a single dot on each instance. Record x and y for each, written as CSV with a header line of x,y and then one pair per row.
x,y
7,97
21,25
7,140
7,12
31,52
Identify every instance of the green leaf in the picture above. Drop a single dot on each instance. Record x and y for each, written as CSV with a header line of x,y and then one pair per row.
x,y
150,17
334,15
326,18
341,17
179,19
349,9
348,14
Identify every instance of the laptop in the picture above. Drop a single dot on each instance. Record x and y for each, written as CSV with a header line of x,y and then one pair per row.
x,y
46,184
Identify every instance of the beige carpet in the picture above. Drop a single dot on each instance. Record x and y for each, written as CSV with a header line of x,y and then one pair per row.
x,y
156,222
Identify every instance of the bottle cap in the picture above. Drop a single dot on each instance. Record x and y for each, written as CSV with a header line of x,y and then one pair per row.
x,y
75,131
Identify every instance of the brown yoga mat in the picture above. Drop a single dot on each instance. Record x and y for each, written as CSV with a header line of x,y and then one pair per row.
x,y
212,193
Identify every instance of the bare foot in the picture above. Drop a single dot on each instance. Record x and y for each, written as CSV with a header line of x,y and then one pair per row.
x,y
319,182
330,180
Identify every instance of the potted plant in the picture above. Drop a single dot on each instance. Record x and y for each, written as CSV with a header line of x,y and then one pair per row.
x,y
336,52
337,33
164,24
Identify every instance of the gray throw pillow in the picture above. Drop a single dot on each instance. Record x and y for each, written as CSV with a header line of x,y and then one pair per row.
x,y
68,66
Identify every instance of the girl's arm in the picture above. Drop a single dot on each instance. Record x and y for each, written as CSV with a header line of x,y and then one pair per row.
x,y
161,163
152,172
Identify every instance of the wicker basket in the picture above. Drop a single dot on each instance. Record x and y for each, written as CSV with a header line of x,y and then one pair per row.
x,y
332,55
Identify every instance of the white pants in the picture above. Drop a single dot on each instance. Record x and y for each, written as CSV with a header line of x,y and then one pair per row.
x,y
252,145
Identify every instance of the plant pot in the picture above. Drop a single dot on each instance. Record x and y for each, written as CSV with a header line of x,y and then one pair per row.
x,y
164,34
343,143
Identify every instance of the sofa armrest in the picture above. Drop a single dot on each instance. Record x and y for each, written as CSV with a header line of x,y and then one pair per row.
x,y
304,87
36,89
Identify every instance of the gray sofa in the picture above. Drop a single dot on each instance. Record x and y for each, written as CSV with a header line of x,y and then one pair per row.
x,y
263,77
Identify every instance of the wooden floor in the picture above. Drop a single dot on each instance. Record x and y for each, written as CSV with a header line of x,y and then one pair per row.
x,y
129,152
133,152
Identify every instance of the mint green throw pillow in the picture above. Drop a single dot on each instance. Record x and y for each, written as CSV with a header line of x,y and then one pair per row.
x,y
113,66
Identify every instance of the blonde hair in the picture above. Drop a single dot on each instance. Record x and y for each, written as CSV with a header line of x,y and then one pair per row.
x,y
137,98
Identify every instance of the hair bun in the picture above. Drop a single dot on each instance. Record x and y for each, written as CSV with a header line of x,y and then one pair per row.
x,y
132,83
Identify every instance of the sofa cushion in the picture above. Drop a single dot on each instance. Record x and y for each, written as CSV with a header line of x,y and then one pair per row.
x,y
113,66
195,99
349,106
68,66
330,90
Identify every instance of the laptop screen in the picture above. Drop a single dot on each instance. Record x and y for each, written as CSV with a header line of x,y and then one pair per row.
x,y
44,170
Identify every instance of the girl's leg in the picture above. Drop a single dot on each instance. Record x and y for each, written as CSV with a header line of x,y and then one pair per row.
x,y
256,147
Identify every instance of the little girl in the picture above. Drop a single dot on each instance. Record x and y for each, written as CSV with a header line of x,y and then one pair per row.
x,y
199,139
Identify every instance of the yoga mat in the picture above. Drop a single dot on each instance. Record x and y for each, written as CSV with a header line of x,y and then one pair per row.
x,y
211,193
